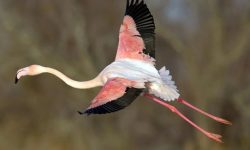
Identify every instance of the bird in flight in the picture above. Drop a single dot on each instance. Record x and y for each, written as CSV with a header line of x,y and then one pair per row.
x,y
133,72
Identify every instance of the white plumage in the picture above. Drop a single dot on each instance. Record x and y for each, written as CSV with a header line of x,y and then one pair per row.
x,y
159,83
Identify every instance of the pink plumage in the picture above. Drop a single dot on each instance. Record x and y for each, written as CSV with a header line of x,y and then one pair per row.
x,y
113,89
131,44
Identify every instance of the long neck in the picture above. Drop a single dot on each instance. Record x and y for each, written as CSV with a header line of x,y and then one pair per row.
x,y
75,84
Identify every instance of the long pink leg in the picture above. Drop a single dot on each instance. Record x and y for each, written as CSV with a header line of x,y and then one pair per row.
x,y
213,136
204,113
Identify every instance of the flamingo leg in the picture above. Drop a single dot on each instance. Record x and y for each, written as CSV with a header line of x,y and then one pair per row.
x,y
204,113
213,136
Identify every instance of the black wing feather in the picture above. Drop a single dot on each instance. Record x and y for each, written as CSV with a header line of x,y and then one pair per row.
x,y
144,23
116,105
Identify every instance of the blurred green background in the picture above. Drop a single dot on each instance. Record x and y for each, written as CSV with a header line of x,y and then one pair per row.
x,y
205,44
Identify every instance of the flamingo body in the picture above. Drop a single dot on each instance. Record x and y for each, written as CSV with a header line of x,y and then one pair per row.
x,y
156,82
135,61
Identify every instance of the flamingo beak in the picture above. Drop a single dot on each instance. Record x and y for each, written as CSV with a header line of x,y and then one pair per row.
x,y
20,73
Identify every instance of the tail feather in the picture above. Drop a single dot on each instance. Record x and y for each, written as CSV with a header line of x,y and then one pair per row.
x,y
167,78
166,90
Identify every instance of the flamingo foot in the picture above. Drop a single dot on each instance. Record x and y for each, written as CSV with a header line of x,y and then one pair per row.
x,y
204,113
213,136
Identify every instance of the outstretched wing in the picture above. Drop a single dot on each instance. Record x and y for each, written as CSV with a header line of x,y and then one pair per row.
x,y
115,95
137,33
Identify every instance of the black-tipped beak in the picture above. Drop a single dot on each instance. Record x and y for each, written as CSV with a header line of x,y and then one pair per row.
x,y
16,80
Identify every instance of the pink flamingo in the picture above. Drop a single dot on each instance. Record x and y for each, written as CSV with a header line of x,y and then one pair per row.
x,y
133,72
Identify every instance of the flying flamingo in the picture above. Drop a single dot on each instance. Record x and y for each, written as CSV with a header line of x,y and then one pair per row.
x,y
133,72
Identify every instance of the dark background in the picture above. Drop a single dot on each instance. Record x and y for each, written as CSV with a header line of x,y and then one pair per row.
x,y
205,44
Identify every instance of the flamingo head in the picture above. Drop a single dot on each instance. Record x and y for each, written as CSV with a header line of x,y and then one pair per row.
x,y
29,71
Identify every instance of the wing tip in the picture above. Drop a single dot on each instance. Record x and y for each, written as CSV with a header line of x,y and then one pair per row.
x,y
134,2
87,112
135,7
83,113
96,110
138,10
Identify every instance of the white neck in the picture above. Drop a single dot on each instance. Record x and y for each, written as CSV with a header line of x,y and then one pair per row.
x,y
75,84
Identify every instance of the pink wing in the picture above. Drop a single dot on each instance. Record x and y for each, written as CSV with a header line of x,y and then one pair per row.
x,y
137,37
116,94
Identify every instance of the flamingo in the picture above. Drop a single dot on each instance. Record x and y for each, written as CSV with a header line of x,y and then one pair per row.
x,y
133,72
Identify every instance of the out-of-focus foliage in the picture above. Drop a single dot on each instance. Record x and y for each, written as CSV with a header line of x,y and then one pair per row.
x,y
205,44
